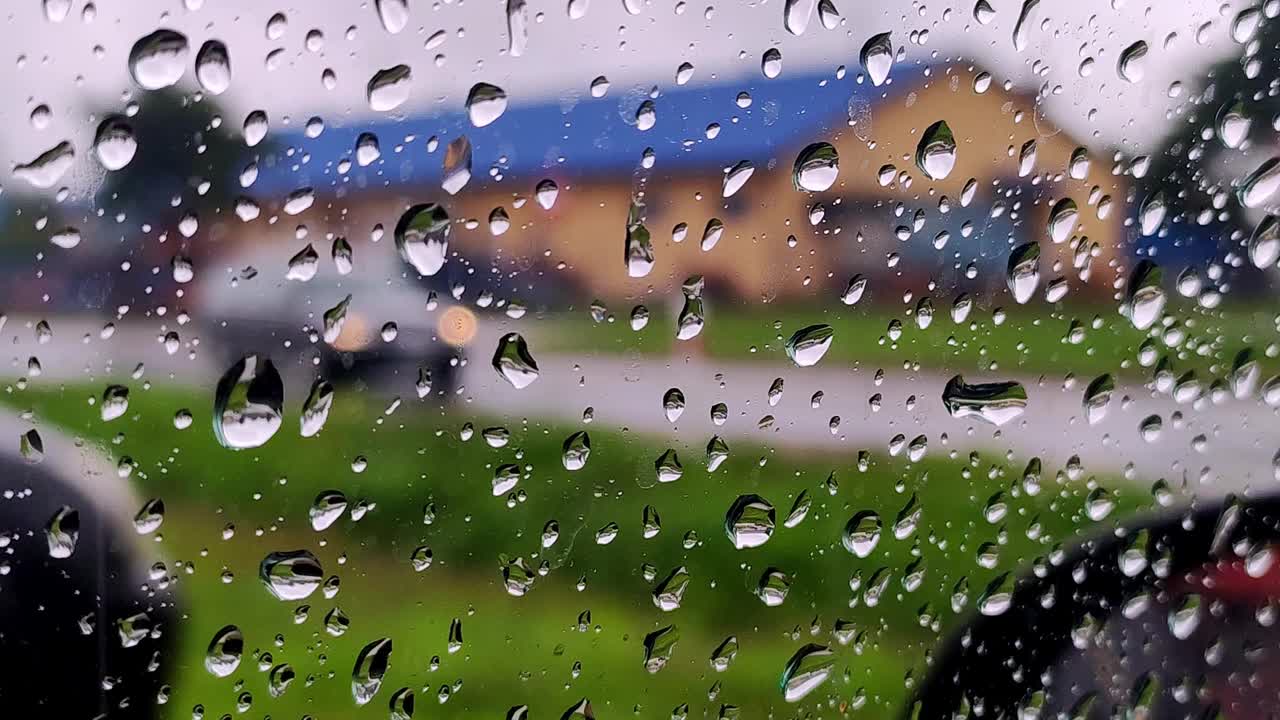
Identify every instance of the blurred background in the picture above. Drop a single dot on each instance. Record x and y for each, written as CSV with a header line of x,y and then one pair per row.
x,y
675,208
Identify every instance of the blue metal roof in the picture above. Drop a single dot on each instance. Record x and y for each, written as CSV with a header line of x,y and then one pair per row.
x,y
583,135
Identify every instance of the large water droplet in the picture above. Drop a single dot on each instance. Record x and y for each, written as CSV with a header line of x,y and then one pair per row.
x,y
48,167
225,650
62,532
577,448
658,647
158,60
1023,272
422,237
816,167
808,668
456,166
291,575
1132,63
1062,220
936,152
1264,244
389,88
213,67
692,315
248,403
328,506
114,144
315,410
749,521
485,103
513,361
877,57
1097,396
1144,297
1261,184
807,345
796,15
996,403
370,667
669,593
862,533
394,14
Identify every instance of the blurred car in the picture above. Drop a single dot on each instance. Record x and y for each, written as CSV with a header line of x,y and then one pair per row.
x,y
1168,616
86,604
378,317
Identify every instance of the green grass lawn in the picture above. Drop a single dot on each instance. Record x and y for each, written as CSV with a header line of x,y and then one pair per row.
x,y
522,650
1025,342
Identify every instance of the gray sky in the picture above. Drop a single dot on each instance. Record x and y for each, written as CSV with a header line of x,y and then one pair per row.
x,y
73,65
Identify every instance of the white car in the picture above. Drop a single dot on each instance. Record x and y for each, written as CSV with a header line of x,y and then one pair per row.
x,y
301,310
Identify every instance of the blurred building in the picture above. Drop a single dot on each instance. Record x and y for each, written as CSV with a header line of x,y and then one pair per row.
x,y
882,218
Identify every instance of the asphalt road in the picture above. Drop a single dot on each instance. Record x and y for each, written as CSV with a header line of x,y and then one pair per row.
x,y
1214,449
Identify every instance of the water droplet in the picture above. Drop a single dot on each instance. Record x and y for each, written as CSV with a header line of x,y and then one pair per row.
x,y
808,668
1132,63
513,361
668,467
1144,297
771,63
773,587
658,647
862,533
158,60
877,58
1062,220
225,649
1021,29
1264,244
213,67
328,506
48,167
485,104
115,402
996,403
1261,184
1097,396
749,521
114,144
673,404
646,116
248,403
936,152
807,345
1023,274
1233,124
517,27
389,88
816,167
796,15
422,237
291,575
394,14
854,290
149,517
62,532
456,165
279,678
799,510
724,654
737,177
691,318
577,448
546,193
998,596
669,593
371,665
638,252
717,453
